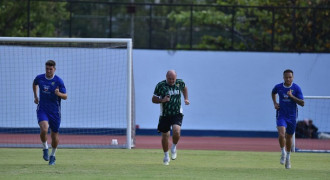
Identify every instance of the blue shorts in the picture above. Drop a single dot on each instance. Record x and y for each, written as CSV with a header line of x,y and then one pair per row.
x,y
54,119
288,122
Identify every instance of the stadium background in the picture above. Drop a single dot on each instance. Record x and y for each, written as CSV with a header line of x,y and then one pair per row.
x,y
229,91
229,88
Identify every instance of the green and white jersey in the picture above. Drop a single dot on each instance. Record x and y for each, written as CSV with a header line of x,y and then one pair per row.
x,y
173,107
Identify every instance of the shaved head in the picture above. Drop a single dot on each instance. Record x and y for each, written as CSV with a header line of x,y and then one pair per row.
x,y
171,77
171,72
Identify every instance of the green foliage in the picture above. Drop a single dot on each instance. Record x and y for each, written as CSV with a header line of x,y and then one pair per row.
x,y
46,18
249,25
13,18
252,27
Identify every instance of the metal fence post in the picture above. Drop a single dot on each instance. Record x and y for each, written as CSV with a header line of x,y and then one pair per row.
x,y
28,18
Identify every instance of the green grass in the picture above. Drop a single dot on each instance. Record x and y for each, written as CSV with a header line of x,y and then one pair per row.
x,y
147,164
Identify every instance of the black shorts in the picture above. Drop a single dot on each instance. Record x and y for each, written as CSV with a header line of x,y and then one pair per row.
x,y
165,122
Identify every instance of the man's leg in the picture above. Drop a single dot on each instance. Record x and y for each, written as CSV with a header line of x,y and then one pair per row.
x,y
176,133
55,141
165,138
43,137
288,150
282,142
175,139
288,139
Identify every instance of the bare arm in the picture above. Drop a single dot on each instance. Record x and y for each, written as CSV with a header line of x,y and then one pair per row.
x,y
61,95
35,93
185,96
276,105
295,99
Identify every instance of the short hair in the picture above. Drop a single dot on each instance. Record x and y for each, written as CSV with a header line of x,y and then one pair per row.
x,y
50,63
288,71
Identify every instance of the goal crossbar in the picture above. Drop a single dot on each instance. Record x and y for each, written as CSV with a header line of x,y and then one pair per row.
x,y
46,39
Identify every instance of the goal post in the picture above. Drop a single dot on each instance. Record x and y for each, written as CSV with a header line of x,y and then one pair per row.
x,y
316,111
98,75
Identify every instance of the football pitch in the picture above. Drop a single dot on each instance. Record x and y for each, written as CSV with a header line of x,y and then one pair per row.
x,y
21,163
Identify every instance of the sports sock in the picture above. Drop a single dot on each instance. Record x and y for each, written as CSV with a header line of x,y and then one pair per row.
x,y
53,151
45,145
166,154
283,150
173,147
288,155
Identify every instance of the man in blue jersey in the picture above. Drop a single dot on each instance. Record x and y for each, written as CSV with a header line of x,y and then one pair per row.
x,y
51,91
290,95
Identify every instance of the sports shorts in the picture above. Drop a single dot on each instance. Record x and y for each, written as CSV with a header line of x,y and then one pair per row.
x,y
288,122
54,119
165,122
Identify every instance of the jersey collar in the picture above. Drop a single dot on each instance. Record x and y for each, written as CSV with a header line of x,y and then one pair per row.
x,y
287,86
49,78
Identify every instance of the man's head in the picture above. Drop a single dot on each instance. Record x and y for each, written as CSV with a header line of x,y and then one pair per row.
x,y
310,122
171,77
288,77
50,68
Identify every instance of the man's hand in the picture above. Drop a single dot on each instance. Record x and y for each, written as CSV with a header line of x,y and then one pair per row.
x,y
186,101
289,93
57,90
36,100
276,106
166,98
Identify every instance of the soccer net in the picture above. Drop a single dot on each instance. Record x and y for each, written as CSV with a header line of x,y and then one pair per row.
x,y
97,73
313,125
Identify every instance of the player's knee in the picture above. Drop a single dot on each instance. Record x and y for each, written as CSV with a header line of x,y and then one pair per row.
x,y
288,136
165,135
176,133
281,135
43,130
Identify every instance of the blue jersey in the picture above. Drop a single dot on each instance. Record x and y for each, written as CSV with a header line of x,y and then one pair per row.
x,y
288,108
48,100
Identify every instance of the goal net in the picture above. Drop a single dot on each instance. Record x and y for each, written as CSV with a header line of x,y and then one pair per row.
x,y
97,73
313,125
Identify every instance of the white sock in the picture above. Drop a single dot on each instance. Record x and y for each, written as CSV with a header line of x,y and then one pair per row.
x,y
288,155
166,154
53,151
173,147
45,145
283,150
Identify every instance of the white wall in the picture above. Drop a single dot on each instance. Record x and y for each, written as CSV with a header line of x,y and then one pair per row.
x,y
227,90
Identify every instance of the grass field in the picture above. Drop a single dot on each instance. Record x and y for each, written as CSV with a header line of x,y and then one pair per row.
x,y
16,163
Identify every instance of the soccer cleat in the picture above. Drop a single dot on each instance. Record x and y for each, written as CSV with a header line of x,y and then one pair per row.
x,y
45,154
173,155
287,164
166,161
283,156
52,160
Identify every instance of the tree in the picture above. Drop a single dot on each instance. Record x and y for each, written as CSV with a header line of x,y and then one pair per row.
x,y
46,19
258,25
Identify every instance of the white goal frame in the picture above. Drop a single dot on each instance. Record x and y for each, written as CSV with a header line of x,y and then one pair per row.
x,y
129,43
293,147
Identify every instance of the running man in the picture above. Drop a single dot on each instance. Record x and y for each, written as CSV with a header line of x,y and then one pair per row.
x,y
51,91
290,95
168,94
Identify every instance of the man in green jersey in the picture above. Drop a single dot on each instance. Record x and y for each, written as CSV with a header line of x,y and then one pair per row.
x,y
168,94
